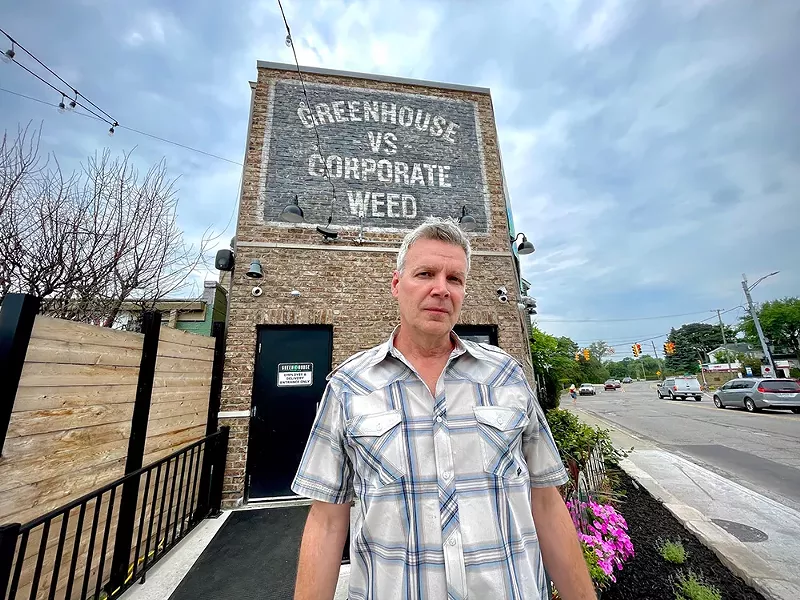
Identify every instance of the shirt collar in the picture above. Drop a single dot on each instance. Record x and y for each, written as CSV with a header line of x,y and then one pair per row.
x,y
388,348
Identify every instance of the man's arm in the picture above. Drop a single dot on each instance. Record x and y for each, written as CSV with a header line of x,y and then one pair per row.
x,y
321,551
558,541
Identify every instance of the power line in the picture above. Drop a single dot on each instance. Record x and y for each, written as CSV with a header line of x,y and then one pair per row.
x,y
57,76
290,43
623,320
144,133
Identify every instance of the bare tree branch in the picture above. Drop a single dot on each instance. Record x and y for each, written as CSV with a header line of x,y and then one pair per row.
x,y
89,242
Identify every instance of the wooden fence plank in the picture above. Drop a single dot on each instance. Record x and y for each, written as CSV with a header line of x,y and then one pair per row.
x,y
33,467
187,339
63,419
165,364
75,353
41,374
61,396
173,350
49,328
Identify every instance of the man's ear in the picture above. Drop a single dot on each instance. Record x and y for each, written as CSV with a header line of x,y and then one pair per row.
x,y
395,281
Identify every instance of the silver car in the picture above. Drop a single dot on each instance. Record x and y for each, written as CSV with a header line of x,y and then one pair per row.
x,y
755,394
679,387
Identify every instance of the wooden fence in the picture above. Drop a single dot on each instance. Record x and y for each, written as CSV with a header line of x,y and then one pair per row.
x,y
82,405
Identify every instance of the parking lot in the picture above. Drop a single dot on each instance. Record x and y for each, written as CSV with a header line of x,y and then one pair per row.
x,y
758,450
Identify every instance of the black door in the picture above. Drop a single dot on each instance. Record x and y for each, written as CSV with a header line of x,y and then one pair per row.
x,y
289,380
486,334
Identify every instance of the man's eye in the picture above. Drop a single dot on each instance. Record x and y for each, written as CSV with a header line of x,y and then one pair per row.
x,y
423,274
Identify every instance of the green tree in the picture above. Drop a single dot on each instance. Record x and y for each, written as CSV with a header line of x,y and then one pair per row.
x,y
554,361
692,343
780,320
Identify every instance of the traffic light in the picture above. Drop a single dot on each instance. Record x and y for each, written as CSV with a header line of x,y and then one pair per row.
x,y
586,353
635,349
638,349
577,356
669,348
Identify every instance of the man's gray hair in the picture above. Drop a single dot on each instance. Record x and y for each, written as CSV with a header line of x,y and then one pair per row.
x,y
435,228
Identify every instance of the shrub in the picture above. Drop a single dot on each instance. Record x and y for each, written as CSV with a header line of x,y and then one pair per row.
x,y
576,440
691,587
673,552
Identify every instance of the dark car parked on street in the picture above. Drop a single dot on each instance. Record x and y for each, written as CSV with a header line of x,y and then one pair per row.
x,y
753,394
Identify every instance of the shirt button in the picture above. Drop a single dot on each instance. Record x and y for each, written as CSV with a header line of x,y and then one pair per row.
x,y
452,541
500,420
446,475
438,419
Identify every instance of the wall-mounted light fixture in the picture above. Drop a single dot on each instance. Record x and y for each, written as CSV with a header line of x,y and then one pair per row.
x,y
524,247
466,221
255,271
292,213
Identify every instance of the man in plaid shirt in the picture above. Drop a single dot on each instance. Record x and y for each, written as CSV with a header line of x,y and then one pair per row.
x,y
448,453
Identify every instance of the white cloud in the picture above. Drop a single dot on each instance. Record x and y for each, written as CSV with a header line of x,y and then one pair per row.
x,y
152,27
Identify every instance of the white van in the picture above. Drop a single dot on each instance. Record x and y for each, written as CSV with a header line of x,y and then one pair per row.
x,y
680,387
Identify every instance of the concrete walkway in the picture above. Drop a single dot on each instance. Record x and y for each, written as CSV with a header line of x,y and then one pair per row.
x,y
757,538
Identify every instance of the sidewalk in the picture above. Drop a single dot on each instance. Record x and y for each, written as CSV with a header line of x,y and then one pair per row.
x,y
719,512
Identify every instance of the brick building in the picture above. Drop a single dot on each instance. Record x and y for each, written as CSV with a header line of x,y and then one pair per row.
x,y
396,151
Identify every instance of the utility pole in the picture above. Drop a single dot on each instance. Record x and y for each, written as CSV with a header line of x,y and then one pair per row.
x,y
724,341
658,360
756,322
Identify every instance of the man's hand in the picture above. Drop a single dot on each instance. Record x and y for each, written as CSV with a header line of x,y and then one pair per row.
x,y
321,551
558,541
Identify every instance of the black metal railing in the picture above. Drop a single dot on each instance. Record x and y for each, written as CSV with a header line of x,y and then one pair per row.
x,y
120,530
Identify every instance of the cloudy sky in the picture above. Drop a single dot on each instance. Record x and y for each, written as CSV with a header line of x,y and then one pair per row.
x,y
651,148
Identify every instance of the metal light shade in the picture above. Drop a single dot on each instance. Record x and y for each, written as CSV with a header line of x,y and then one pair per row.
x,y
525,247
255,272
292,213
466,221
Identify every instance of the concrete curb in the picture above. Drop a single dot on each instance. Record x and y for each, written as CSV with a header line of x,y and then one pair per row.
x,y
732,553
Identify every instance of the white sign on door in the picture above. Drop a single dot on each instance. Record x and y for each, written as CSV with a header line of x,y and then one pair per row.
x,y
295,374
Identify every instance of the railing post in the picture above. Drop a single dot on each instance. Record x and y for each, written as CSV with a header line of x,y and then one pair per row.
x,y
212,420
8,546
151,327
218,472
16,324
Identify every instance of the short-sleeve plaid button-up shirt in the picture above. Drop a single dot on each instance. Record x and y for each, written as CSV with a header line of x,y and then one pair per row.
x,y
442,481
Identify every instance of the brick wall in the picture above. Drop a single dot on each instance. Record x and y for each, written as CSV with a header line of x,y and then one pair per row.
x,y
342,283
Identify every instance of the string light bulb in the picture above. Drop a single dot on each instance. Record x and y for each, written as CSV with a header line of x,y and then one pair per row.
x,y
9,54
61,107
74,102
288,40
111,129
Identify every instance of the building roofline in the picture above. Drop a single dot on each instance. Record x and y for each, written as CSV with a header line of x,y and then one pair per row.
x,y
263,64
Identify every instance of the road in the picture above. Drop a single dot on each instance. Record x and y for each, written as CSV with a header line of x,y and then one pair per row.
x,y
760,451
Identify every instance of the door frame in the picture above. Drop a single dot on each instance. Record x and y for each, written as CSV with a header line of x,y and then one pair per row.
x,y
248,463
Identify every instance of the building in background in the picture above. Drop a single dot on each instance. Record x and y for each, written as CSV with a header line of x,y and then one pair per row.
x,y
394,151
194,315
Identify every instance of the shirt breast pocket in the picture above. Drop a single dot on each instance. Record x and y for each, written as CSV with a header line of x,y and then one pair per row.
x,y
377,440
500,431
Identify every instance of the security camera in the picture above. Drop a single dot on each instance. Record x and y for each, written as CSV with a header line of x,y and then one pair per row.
x,y
502,291
257,291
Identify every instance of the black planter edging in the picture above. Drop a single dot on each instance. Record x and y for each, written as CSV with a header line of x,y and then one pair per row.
x,y
647,576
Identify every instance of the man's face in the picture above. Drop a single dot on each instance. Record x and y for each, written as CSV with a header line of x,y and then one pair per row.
x,y
430,289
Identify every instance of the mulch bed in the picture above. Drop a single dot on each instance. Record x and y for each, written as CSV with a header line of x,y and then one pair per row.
x,y
647,576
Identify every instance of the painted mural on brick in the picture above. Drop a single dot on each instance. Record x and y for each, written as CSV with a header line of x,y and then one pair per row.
x,y
394,158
